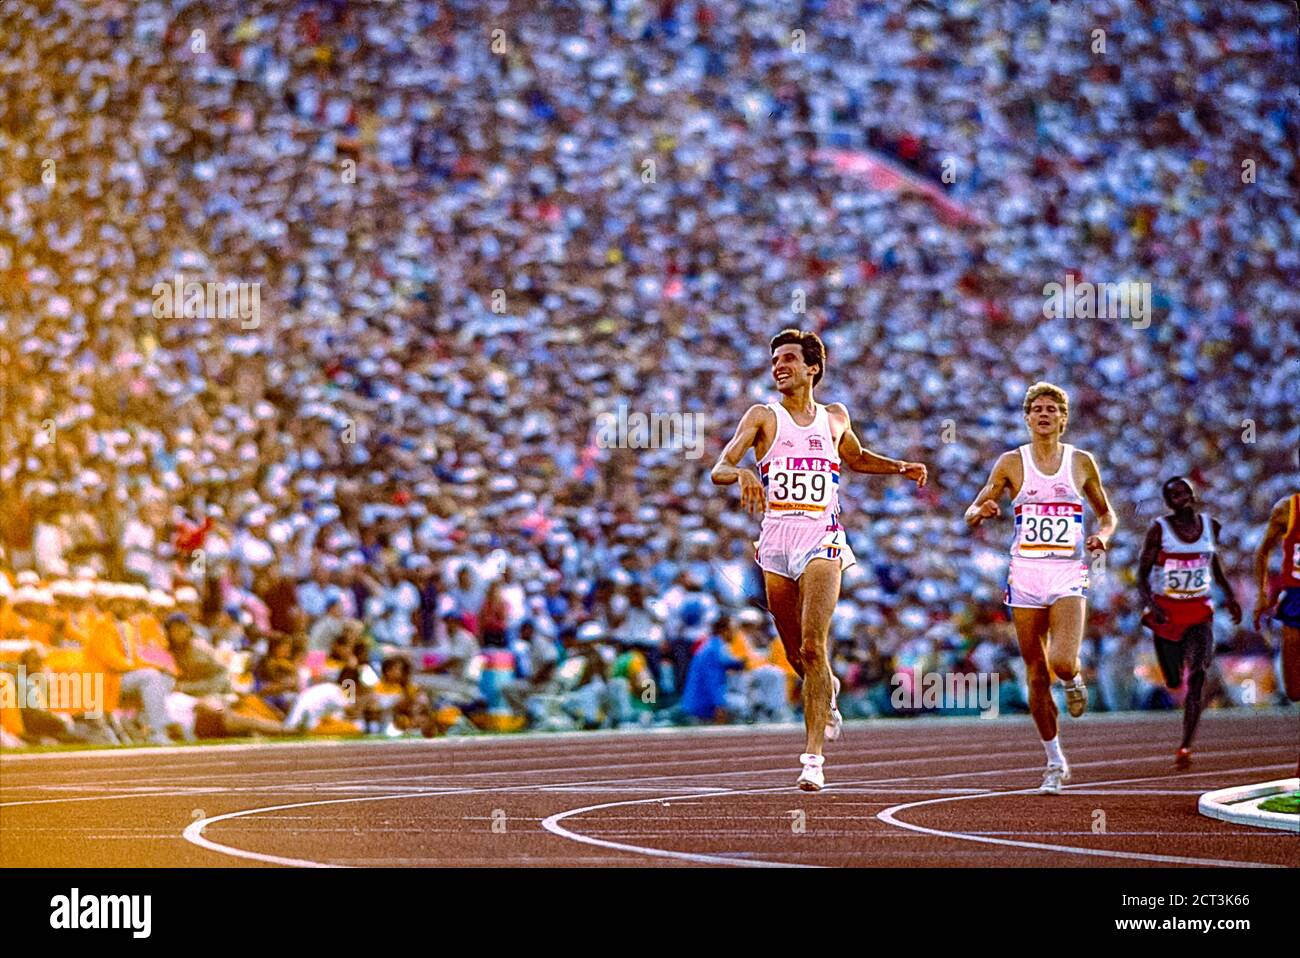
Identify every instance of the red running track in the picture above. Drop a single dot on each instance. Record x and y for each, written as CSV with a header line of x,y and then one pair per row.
x,y
920,792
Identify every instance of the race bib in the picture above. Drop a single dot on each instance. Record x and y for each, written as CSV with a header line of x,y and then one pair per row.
x,y
1049,529
800,485
1187,578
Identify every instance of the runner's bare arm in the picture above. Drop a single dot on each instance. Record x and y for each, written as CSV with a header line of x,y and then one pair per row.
x,y
1150,549
727,469
1274,533
1095,492
859,459
1216,567
986,505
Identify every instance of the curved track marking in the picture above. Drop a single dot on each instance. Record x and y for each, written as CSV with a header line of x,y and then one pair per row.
x,y
552,825
682,786
889,817
194,831
194,835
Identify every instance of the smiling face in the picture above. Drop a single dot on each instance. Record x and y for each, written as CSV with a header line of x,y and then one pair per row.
x,y
789,370
1045,418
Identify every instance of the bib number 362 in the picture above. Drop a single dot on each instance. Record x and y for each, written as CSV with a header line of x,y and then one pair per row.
x,y
1055,531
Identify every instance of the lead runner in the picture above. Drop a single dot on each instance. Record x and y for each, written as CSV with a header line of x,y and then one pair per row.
x,y
799,446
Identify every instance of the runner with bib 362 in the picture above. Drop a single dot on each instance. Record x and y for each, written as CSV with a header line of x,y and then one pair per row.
x,y
1047,583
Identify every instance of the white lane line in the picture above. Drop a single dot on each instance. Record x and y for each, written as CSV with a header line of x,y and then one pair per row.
x,y
195,829
552,825
464,771
923,754
628,783
109,797
878,726
1191,835
755,752
194,832
112,789
183,791
439,750
1085,790
146,753
889,817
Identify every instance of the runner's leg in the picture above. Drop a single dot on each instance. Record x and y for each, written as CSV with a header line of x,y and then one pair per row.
x,y
783,604
1291,662
1291,669
1198,641
1031,633
820,590
1170,656
1066,628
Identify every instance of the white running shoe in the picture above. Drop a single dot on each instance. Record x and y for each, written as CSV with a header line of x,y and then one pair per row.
x,y
1054,778
835,727
811,779
1076,697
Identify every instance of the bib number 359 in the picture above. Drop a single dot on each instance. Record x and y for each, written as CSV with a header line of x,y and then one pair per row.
x,y
804,487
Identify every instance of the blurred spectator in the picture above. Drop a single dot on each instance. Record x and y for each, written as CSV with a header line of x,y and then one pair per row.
x,y
277,674
387,411
493,616
760,689
396,704
199,672
704,696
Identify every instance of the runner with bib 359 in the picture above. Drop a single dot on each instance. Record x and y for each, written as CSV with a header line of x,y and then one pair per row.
x,y
800,447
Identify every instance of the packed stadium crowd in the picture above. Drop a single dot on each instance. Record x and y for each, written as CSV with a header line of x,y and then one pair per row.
x,y
378,500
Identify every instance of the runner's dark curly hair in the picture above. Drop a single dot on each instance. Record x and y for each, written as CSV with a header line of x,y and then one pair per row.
x,y
814,350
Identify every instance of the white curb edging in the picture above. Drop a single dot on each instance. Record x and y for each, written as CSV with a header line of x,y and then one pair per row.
x,y
1240,805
